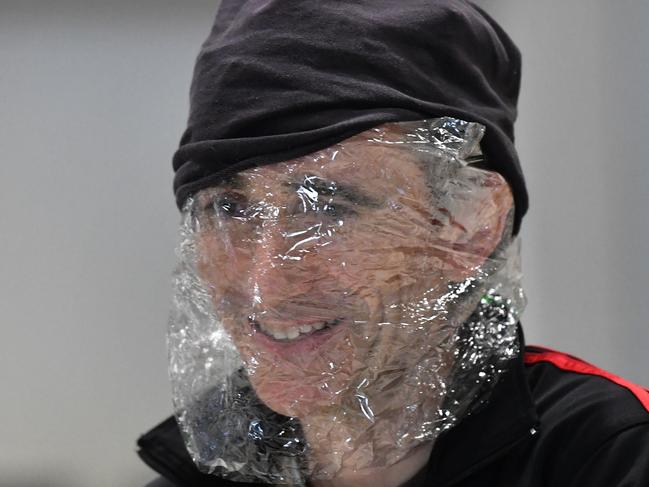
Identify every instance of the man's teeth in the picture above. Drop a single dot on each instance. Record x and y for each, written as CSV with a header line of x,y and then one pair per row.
x,y
293,333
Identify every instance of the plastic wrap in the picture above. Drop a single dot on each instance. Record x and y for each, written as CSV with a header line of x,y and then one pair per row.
x,y
335,311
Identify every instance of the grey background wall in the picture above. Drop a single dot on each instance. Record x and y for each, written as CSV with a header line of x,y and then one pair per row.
x,y
93,97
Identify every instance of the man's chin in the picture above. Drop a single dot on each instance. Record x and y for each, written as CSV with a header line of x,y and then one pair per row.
x,y
298,400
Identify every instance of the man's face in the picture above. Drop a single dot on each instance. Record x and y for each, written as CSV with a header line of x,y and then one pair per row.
x,y
330,271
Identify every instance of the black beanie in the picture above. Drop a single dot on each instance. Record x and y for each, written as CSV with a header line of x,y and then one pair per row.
x,y
279,79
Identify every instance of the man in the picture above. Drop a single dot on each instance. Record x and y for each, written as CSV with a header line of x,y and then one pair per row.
x,y
336,316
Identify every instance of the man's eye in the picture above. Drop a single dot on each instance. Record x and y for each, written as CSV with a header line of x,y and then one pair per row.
x,y
230,205
337,210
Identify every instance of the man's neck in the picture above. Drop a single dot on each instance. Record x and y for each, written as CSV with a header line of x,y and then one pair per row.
x,y
411,462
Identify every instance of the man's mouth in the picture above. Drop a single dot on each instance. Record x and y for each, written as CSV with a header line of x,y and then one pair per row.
x,y
294,333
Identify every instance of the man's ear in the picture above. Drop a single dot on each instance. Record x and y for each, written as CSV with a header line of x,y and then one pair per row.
x,y
477,225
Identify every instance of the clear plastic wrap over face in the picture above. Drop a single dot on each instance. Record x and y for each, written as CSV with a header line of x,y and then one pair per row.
x,y
334,311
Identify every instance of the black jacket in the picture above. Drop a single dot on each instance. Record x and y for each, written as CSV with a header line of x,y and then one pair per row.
x,y
552,421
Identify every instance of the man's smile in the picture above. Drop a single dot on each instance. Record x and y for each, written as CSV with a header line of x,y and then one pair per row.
x,y
283,333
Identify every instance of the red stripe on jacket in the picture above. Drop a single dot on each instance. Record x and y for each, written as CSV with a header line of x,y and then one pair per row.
x,y
571,363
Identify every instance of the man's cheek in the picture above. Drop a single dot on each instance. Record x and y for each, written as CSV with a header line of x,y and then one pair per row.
x,y
225,272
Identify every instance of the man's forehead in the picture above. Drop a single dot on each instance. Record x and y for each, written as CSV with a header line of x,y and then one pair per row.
x,y
355,164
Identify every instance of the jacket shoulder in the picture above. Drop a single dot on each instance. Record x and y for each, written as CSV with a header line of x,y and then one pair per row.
x,y
563,386
585,413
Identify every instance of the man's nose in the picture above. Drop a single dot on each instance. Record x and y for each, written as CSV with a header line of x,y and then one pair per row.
x,y
286,257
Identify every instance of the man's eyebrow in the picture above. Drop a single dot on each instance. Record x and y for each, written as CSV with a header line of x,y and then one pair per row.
x,y
233,181
351,193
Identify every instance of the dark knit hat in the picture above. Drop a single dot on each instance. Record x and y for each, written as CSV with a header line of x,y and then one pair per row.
x,y
280,79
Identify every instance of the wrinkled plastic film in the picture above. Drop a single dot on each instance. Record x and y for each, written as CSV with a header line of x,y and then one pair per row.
x,y
335,311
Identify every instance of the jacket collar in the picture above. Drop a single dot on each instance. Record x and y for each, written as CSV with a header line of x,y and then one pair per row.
x,y
508,418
